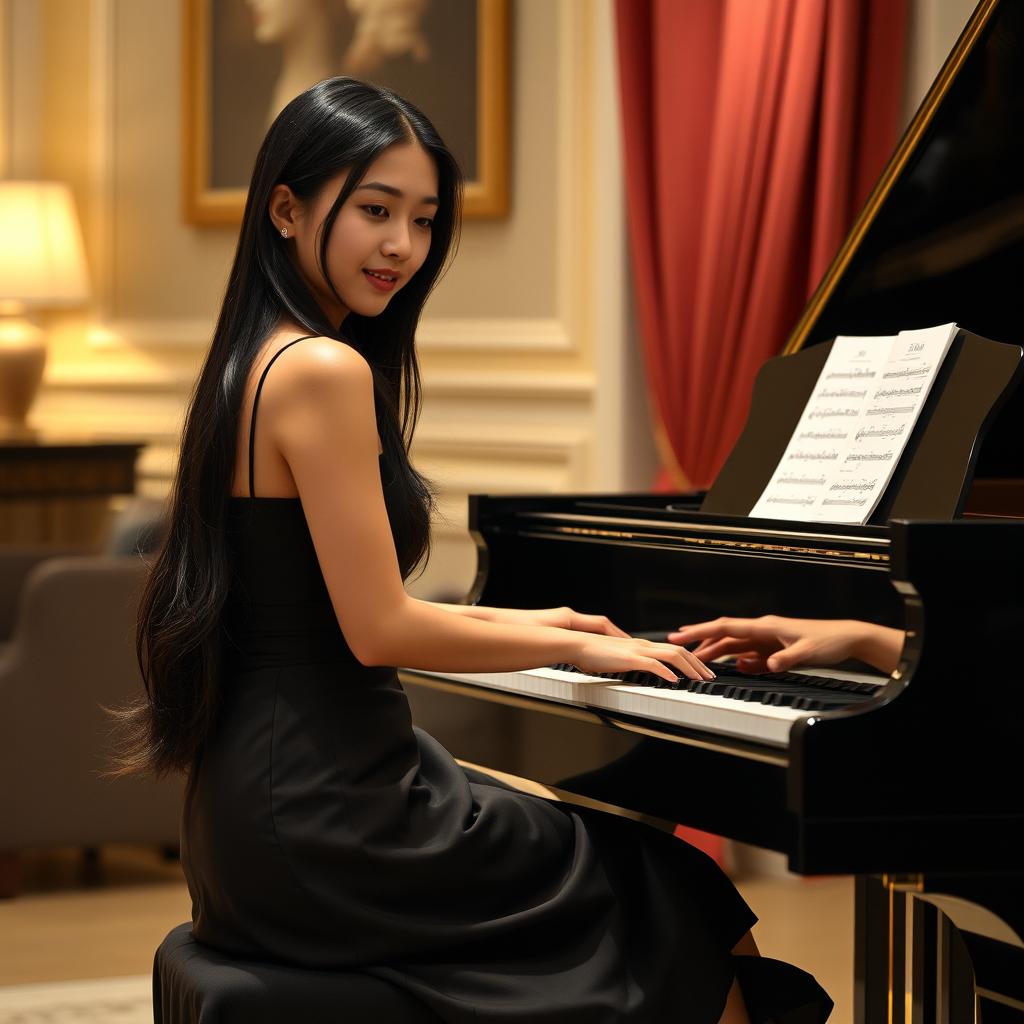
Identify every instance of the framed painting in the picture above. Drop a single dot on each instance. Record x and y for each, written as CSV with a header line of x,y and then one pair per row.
x,y
244,59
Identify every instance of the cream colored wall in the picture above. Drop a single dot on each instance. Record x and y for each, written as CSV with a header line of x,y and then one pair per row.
x,y
532,378
933,29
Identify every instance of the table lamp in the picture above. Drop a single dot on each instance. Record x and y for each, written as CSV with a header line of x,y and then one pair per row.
x,y
42,266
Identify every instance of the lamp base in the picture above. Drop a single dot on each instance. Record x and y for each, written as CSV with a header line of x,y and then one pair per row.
x,y
12,431
22,359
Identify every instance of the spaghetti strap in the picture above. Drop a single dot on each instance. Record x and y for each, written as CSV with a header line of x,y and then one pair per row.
x,y
255,402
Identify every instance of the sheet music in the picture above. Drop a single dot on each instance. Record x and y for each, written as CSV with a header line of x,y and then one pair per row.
x,y
854,427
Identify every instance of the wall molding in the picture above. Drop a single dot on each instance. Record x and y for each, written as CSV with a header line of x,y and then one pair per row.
x,y
507,443
478,384
571,235
5,88
481,335
22,88
460,335
489,384
92,377
102,156
513,464
149,334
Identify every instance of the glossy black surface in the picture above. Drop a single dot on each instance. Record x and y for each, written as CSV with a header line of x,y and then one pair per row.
x,y
930,781
947,244
921,777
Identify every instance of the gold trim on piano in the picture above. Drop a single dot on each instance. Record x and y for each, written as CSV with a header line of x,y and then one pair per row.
x,y
997,997
911,137
907,882
743,545
744,530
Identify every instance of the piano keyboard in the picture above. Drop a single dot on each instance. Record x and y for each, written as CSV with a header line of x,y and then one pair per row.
x,y
760,708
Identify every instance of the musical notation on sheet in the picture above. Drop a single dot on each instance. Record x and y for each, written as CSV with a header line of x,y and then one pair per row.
x,y
855,427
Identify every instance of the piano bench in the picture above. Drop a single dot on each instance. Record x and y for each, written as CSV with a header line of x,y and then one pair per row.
x,y
193,984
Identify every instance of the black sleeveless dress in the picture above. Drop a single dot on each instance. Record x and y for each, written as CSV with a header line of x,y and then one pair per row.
x,y
322,829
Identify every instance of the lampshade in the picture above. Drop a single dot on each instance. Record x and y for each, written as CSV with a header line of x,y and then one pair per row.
x,y
42,262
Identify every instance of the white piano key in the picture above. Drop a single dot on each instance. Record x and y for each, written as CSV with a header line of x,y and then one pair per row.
x,y
747,720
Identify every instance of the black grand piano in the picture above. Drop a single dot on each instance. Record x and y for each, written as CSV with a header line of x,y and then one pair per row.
x,y
912,782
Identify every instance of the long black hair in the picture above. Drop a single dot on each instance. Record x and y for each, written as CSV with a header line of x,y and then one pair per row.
x,y
339,124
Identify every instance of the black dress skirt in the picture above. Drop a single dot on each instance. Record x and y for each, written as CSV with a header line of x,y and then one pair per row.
x,y
323,830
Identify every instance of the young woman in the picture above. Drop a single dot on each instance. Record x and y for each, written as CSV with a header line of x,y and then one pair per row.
x,y
321,829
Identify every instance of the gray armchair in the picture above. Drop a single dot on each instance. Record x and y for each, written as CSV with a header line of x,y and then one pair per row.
x,y
66,652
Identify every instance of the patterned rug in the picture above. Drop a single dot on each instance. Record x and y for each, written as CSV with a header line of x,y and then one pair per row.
x,y
98,1001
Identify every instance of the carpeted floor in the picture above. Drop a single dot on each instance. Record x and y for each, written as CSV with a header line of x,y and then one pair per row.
x,y
97,1001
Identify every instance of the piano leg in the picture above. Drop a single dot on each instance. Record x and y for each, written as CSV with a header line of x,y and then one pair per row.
x,y
997,977
912,965
954,978
924,956
871,951
940,982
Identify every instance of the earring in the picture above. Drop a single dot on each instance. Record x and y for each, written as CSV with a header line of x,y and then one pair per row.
x,y
284,232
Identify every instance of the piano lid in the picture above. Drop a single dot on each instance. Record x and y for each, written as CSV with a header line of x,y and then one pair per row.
x,y
941,238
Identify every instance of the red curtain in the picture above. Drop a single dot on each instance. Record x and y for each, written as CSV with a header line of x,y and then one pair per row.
x,y
753,130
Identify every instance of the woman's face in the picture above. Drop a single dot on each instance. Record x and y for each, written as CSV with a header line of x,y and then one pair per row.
x,y
380,237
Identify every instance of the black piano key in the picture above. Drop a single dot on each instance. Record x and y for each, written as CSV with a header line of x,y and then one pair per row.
x,y
776,689
808,704
777,699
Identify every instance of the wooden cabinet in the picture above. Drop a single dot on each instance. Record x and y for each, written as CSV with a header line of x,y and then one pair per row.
x,y
58,489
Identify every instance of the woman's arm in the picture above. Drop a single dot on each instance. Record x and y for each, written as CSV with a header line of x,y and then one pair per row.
x,y
565,618
773,643
319,413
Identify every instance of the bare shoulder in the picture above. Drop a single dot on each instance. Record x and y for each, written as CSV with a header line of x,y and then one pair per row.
x,y
322,390
320,365
318,377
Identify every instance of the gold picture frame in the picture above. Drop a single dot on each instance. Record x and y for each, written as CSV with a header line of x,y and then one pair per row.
x,y
214,184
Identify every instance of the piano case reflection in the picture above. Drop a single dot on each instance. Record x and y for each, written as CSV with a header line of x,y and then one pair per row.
x,y
912,783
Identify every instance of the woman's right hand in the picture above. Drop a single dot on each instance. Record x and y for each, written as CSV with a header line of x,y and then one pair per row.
x,y
597,653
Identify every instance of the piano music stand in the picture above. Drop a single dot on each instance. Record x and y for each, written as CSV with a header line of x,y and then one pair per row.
x,y
935,471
